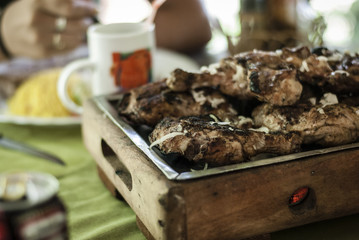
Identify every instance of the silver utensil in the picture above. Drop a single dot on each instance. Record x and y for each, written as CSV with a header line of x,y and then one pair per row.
x,y
21,147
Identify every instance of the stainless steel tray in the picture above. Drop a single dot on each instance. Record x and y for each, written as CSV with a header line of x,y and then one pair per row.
x,y
172,170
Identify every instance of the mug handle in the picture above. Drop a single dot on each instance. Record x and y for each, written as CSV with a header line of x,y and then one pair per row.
x,y
63,79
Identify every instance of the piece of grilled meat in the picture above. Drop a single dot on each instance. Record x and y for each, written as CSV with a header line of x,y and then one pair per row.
x,y
330,70
204,141
258,74
321,124
345,75
150,103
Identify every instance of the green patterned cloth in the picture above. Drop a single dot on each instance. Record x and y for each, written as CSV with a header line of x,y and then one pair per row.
x,y
93,213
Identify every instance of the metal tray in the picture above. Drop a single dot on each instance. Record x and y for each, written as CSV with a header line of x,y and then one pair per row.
x,y
175,169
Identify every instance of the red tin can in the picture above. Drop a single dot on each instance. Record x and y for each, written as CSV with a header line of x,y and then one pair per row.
x,y
30,207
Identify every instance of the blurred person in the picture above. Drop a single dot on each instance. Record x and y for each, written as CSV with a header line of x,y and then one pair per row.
x,y
43,28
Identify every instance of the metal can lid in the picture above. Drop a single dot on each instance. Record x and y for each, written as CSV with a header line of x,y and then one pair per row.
x,y
23,190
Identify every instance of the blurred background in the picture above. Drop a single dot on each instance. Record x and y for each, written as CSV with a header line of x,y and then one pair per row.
x,y
237,26
269,24
240,25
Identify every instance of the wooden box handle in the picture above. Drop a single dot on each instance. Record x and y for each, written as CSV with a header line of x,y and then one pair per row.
x,y
120,169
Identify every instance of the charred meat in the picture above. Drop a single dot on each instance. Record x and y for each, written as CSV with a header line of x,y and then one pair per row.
x,y
200,140
275,77
152,102
245,77
320,124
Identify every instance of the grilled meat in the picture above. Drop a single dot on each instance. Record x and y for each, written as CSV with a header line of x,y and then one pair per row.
x,y
200,122
200,140
275,77
331,70
310,67
150,103
321,124
345,77
261,75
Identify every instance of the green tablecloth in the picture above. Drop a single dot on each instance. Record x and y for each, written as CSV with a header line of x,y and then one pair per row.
x,y
93,213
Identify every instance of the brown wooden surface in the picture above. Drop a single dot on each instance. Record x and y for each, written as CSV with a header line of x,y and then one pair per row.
x,y
144,230
151,196
258,198
235,205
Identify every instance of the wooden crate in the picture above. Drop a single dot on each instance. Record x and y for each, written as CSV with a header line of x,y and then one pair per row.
x,y
235,205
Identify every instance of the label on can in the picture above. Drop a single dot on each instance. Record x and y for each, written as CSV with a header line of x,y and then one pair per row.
x,y
133,69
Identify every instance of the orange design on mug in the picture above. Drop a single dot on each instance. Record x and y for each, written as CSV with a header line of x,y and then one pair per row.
x,y
131,70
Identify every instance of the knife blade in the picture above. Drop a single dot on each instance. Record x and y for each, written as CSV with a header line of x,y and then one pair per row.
x,y
21,147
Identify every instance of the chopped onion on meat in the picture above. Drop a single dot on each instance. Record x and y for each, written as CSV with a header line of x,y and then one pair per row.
x,y
165,137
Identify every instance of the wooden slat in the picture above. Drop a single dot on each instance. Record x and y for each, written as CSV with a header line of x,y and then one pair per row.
x,y
152,197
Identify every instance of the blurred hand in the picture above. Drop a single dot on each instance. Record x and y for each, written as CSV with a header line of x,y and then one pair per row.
x,y
29,26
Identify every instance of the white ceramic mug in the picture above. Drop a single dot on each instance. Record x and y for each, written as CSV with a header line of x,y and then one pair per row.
x,y
121,55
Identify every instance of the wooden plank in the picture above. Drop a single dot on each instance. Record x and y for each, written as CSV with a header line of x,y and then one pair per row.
x,y
151,195
255,201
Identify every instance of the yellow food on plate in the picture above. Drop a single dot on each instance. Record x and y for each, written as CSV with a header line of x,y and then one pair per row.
x,y
37,96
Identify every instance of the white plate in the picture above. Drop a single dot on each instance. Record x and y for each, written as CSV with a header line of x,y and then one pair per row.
x,y
165,62
43,121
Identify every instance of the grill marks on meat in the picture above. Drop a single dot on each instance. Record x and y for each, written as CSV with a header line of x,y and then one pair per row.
x,y
262,75
227,76
152,102
344,77
311,68
275,77
328,125
200,140
270,77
